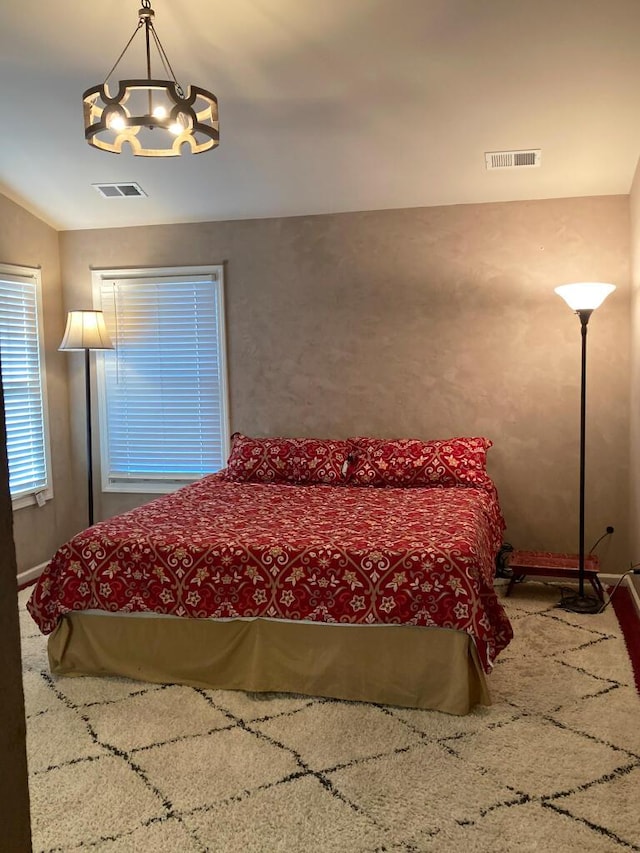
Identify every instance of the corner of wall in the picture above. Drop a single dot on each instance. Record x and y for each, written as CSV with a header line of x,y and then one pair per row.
x,y
634,390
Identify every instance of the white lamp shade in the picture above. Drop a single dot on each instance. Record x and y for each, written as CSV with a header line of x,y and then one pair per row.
x,y
85,330
585,295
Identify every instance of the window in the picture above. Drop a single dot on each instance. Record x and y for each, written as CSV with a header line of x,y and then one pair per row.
x,y
162,390
23,379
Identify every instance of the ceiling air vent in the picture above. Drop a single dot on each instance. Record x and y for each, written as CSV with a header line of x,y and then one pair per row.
x,y
119,190
529,159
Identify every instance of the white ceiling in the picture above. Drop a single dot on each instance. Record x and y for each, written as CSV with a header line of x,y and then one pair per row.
x,y
331,105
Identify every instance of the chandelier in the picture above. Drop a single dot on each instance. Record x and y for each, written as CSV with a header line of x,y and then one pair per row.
x,y
155,118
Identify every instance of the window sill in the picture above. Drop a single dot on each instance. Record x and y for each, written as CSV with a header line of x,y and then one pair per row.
x,y
146,487
31,500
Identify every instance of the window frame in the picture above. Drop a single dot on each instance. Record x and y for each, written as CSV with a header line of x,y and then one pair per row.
x,y
42,494
158,482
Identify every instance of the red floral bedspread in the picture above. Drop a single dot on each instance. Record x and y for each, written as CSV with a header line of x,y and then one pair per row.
x,y
335,554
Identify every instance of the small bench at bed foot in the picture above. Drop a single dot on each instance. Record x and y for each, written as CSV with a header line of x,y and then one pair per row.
x,y
548,565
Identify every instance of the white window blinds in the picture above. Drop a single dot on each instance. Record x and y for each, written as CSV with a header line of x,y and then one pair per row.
x,y
163,388
22,360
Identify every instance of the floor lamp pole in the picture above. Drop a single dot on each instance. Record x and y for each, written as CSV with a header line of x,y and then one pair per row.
x,y
85,331
582,603
584,319
87,373
583,298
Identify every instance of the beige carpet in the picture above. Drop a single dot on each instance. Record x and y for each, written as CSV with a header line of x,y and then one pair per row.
x,y
553,765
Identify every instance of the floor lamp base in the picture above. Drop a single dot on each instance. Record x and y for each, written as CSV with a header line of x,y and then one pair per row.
x,y
581,604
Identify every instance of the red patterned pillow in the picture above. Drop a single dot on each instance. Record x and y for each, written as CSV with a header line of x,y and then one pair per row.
x,y
288,460
411,462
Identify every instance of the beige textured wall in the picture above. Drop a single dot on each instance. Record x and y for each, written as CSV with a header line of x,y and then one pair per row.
x,y
425,322
27,241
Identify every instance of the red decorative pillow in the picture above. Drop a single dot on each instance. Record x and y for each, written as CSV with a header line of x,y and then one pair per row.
x,y
305,461
411,462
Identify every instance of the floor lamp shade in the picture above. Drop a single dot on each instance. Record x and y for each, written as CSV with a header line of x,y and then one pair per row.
x,y
583,298
585,295
85,331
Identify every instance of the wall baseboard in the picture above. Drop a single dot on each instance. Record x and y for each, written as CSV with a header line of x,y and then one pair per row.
x,y
635,595
628,582
31,575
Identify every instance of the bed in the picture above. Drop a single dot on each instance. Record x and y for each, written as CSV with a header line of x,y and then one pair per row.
x,y
360,569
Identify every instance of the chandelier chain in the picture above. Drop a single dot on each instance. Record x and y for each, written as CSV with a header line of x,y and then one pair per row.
x,y
165,60
148,24
126,47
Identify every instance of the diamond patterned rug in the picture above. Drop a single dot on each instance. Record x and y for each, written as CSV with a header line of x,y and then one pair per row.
x,y
552,765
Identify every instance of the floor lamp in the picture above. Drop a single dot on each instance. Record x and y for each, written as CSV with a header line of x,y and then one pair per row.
x,y
583,298
86,331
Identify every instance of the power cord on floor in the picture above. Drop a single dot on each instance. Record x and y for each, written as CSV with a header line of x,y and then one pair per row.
x,y
634,570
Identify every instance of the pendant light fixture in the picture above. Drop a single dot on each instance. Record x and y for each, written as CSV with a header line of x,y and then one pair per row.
x,y
155,118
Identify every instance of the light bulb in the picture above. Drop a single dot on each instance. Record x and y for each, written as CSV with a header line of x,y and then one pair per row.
x,y
116,122
180,123
159,112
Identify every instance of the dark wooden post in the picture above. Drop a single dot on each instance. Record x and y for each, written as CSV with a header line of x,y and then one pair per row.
x,y
15,828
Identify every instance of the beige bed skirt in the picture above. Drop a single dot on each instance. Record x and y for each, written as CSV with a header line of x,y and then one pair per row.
x,y
413,667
